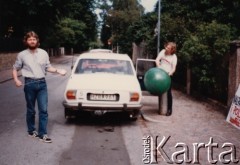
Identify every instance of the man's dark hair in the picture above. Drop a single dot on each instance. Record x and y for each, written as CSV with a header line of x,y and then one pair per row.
x,y
30,34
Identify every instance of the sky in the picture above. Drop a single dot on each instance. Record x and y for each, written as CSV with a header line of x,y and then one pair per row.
x,y
148,5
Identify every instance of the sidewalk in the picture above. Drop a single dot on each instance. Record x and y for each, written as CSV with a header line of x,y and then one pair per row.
x,y
192,123
6,75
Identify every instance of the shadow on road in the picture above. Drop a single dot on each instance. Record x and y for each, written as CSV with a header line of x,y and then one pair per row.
x,y
90,119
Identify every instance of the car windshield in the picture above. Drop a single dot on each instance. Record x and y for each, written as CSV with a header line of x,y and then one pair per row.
x,y
93,66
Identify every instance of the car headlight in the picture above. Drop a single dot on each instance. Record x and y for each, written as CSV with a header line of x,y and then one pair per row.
x,y
134,96
71,94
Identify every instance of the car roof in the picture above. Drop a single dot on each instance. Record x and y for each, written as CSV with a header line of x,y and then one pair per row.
x,y
100,50
100,55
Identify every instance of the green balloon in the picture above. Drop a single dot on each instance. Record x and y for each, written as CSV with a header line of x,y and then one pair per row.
x,y
157,81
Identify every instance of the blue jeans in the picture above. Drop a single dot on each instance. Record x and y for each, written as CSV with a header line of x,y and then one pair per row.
x,y
36,90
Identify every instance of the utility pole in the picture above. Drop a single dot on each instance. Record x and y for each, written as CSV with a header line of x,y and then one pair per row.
x,y
159,16
162,99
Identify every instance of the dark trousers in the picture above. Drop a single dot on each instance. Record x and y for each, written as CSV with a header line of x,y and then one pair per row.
x,y
169,98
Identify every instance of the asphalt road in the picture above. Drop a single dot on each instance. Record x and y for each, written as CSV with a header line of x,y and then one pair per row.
x,y
87,139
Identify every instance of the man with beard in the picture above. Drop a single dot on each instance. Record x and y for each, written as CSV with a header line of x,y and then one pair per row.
x,y
34,63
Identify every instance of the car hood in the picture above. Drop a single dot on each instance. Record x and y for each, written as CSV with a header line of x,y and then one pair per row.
x,y
103,82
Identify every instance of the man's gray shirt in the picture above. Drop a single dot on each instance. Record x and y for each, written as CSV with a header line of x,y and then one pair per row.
x,y
32,65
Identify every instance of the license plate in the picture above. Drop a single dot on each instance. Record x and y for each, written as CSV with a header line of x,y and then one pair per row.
x,y
103,97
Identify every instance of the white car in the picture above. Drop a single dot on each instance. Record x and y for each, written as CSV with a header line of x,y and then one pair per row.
x,y
103,82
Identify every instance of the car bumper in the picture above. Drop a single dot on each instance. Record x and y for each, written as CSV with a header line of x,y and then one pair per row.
x,y
105,107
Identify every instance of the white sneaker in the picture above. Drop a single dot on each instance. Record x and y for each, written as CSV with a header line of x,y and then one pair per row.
x,y
33,134
45,139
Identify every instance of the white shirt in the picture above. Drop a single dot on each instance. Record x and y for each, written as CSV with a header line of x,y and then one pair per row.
x,y
167,62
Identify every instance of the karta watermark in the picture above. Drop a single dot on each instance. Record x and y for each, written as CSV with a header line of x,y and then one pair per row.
x,y
154,147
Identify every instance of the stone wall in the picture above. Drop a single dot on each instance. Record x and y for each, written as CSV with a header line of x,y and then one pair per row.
x,y
7,60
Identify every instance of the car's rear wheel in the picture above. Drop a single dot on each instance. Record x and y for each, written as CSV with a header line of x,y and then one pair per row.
x,y
133,116
68,113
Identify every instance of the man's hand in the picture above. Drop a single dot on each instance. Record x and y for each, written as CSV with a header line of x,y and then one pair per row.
x,y
157,63
62,72
18,83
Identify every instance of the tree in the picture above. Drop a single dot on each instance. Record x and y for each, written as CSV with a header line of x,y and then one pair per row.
x,y
143,31
202,30
205,53
122,14
76,24
67,32
44,16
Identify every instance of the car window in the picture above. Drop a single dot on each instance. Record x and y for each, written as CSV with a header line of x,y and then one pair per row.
x,y
94,66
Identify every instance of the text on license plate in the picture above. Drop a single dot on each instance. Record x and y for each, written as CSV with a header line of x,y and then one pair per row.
x,y
103,97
